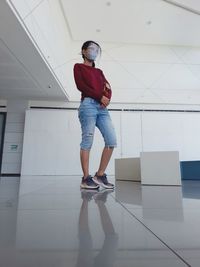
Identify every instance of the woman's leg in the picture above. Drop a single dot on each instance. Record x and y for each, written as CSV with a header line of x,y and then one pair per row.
x,y
87,117
105,158
84,156
104,123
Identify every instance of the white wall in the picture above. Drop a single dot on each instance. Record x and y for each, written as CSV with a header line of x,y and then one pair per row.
x,y
2,103
51,141
14,131
52,137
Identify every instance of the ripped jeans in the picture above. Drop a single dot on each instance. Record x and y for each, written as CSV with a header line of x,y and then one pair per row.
x,y
91,114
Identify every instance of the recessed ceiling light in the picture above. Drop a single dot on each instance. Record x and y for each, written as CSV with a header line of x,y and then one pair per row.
x,y
98,30
108,3
149,22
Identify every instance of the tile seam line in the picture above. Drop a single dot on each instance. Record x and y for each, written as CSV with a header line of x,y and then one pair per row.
x,y
163,242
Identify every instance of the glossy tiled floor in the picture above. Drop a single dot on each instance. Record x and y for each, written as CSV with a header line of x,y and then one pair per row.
x,y
46,222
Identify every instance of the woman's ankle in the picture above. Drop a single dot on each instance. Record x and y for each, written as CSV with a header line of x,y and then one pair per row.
x,y
99,173
85,177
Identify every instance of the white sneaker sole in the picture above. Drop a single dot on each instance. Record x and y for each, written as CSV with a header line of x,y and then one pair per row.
x,y
102,184
89,187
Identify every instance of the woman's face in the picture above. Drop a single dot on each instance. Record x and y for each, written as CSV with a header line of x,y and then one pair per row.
x,y
91,52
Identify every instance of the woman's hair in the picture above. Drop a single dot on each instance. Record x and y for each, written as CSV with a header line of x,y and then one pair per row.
x,y
85,46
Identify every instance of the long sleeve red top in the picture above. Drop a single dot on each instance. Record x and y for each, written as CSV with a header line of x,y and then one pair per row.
x,y
91,82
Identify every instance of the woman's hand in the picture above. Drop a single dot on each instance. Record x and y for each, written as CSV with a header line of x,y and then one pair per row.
x,y
105,101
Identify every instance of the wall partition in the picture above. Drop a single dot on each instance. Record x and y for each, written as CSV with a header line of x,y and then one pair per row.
x,y
52,138
2,132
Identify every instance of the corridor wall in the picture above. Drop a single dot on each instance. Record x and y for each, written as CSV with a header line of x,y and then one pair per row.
x,y
52,138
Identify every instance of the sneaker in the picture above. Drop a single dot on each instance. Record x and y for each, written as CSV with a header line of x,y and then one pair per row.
x,y
103,181
88,183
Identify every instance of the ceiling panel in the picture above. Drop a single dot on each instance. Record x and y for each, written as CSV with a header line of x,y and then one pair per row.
x,y
126,79
193,4
23,72
14,70
179,77
5,55
147,73
132,21
143,53
12,75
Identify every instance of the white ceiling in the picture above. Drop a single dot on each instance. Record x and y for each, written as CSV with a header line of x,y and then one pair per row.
x,y
14,81
151,49
22,72
133,21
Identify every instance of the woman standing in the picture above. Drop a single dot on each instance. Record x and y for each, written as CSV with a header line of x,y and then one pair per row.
x,y
95,97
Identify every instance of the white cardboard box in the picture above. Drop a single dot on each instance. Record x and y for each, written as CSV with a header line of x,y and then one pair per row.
x,y
127,169
160,168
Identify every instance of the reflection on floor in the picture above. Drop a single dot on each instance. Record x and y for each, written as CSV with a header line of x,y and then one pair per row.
x,y
48,221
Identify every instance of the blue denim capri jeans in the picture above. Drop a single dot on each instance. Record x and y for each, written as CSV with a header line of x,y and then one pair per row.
x,y
92,114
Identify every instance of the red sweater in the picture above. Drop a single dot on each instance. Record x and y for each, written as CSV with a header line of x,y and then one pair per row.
x,y
91,82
